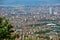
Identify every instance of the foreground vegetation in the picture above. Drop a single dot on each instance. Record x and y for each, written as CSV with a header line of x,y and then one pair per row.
x,y
6,30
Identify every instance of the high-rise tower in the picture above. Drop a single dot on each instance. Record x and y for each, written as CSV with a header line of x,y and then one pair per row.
x,y
50,10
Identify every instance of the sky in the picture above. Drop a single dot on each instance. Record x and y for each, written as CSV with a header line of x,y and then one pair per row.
x,y
17,2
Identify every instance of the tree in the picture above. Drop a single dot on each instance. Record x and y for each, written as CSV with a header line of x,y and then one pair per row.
x,y
6,30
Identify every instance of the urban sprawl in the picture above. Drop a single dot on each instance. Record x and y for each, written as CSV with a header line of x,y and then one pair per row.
x,y
34,22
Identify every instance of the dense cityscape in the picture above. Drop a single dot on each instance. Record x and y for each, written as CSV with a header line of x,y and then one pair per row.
x,y
34,22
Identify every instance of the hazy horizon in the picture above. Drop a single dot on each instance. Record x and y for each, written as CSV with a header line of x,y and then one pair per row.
x,y
32,2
